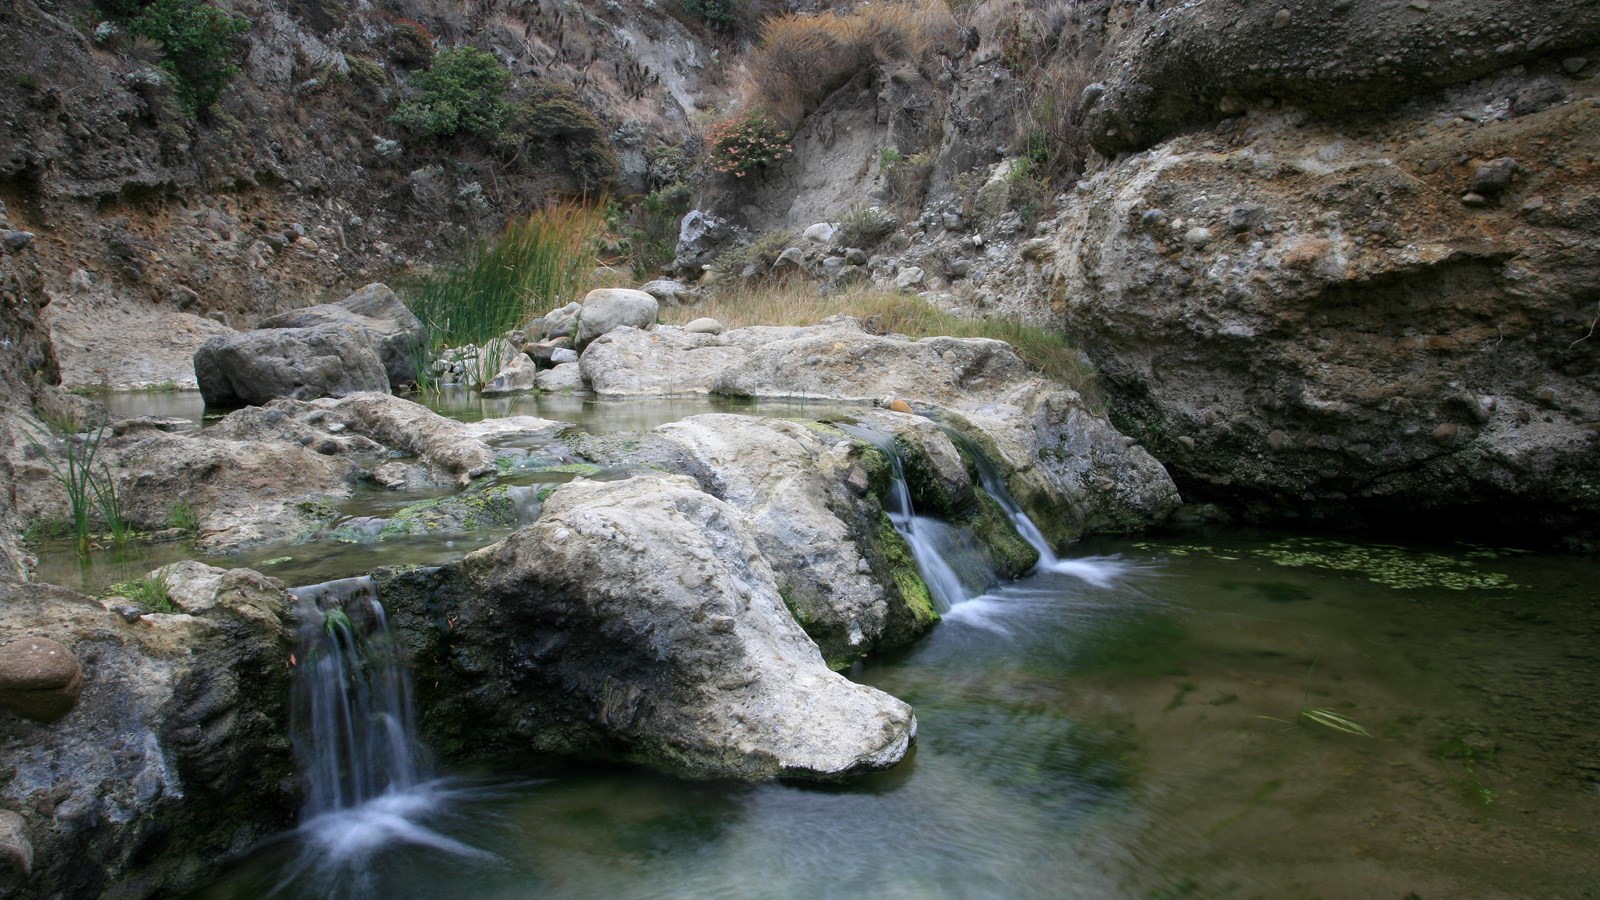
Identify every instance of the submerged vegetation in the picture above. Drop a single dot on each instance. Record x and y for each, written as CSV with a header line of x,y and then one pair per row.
x,y
1390,566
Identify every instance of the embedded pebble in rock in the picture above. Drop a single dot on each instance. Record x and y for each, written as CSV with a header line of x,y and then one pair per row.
x,y
1495,176
704,325
15,847
39,678
16,240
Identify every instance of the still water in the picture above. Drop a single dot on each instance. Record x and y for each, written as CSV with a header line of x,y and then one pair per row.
x,y
1128,725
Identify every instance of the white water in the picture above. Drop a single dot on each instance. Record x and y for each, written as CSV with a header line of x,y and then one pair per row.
x,y
368,777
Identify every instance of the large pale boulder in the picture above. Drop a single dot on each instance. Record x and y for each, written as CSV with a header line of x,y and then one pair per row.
x,y
791,481
607,309
397,334
254,367
638,618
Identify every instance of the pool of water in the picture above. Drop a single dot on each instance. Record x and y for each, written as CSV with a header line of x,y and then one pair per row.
x,y
1133,725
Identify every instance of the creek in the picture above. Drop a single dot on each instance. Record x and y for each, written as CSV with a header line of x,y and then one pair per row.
x,y
1130,721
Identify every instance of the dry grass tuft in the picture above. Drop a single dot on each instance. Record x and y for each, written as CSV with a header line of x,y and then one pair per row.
x,y
800,302
799,60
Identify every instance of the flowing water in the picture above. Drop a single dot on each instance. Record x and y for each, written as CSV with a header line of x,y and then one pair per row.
x,y
1140,718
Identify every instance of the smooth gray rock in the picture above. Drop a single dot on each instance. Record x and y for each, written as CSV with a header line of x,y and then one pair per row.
x,y
566,377
666,291
704,325
608,309
255,367
397,332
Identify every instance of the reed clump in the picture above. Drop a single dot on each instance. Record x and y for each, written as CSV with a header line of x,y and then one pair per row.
x,y
498,285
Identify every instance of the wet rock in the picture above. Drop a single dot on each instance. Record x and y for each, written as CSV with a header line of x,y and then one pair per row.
x,y
396,332
300,363
789,480
637,618
177,754
607,309
39,678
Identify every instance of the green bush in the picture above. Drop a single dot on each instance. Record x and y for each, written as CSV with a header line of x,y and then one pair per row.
x,y
721,15
460,94
553,113
652,228
196,46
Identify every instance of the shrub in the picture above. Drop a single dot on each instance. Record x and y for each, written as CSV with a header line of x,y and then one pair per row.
x,y
746,144
721,15
651,231
907,176
553,114
197,47
802,59
865,226
460,93
758,256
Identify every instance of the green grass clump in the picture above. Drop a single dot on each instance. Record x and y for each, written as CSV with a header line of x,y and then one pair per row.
x,y
497,286
181,515
86,488
153,590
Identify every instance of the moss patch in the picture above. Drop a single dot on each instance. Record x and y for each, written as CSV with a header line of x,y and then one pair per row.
x,y
911,610
487,508
1009,555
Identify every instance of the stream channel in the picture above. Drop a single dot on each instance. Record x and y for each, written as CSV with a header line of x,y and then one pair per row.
x,y
1126,722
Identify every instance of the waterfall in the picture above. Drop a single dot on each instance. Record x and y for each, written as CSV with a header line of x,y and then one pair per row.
x,y
369,780
949,562
1099,571
357,736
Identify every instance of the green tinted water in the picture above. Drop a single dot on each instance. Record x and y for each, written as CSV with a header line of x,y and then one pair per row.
x,y
1136,739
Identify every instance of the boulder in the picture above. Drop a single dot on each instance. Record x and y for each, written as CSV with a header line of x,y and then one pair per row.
x,y
567,377
666,291
299,363
636,618
704,326
607,309
515,377
396,332
176,755
562,322
700,235
820,233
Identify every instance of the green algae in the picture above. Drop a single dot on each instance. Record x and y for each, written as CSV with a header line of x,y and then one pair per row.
x,y
1388,565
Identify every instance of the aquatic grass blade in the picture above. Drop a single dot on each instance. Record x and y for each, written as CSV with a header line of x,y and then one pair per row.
x,y
1336,721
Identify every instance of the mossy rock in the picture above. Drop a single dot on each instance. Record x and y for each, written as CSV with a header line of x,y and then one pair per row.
x,y
491,507
1009,555
911,609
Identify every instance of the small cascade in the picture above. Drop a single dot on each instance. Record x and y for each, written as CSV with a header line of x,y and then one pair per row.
x,y
356,737
950,565
369,777
1099,571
